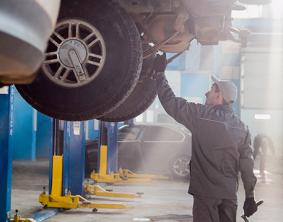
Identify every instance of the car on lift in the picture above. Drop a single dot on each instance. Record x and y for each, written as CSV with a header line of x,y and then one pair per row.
x,y
155,148
99,59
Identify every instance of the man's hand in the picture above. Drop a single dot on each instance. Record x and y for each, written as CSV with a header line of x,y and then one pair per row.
x,y
160,64
250,206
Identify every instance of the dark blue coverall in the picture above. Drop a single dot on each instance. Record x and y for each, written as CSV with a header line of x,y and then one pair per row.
x,y
221,148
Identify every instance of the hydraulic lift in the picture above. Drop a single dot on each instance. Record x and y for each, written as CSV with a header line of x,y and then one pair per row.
x,y
66,187
108,135
114,175
6,129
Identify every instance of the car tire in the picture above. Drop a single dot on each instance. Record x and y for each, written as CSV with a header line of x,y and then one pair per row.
x,y
179,167
100,66
140,99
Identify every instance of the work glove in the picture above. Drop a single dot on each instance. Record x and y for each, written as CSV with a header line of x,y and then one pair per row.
x,y
250,206
159,66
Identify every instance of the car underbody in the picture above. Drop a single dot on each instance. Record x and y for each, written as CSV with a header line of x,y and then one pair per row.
x,y
99,59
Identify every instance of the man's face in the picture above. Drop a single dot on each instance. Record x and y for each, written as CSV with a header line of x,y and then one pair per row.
x,y
213,96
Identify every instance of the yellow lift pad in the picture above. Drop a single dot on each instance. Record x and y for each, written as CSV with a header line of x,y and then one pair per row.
x,y
57,200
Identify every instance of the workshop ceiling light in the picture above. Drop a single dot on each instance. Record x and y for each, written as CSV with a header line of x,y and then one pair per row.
x,y
141,219
277,9
262,116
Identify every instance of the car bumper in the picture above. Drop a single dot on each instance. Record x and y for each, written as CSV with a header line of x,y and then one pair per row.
x,y
25,26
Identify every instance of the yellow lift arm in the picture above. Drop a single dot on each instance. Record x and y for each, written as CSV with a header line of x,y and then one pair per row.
x,y
57,200
123,176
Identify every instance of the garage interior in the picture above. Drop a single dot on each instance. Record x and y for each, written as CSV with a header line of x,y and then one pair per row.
x,y
131,165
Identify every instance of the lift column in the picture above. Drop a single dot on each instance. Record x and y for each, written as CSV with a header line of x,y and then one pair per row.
x,y
6,126
112,141
74,157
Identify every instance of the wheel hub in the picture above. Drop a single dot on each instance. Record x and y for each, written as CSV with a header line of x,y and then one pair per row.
x,y
72,47
76,54
181,167
72,54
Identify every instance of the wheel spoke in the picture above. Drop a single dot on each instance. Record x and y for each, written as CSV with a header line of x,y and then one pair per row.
x,y
65,75
77,33
88,37
51,54
92,55
58,72
70,30
93,63
58,36
51,61
51,39
93,42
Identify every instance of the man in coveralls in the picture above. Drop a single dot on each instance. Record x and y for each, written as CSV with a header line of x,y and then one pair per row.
x,y
221,148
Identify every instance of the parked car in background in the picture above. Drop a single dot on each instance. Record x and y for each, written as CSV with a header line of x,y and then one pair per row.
x,y
25,27
149,148
154,148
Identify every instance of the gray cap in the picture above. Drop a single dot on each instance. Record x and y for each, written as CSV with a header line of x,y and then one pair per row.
x,y
227,88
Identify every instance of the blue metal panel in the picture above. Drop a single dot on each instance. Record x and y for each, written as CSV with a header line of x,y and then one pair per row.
x,y
194,85
24,131
43,135
178,64
112,162
74,157
66,157
93,129
6,129
51,150
237,104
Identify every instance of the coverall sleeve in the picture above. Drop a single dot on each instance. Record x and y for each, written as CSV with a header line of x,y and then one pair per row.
x,y
178,108
246,165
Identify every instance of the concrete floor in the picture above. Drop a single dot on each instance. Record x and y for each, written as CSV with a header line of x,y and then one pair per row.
x,y
164,201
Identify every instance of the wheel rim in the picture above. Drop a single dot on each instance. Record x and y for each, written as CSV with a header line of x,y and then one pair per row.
x,y
75,55
181,167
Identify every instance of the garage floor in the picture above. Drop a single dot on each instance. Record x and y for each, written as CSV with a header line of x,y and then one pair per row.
x,y
164,201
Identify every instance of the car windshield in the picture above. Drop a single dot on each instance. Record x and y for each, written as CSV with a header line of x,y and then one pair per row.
x,y
160,133
128,133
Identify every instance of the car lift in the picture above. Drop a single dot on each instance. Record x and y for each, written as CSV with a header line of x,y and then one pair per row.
x,y
61,191
102,176
123,176
6,129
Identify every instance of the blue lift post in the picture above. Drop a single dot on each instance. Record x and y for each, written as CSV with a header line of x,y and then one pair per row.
x,y
74,157
70,139
6,129
112,133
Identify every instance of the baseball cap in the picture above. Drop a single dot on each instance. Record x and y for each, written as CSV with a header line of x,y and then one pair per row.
x,y
227,88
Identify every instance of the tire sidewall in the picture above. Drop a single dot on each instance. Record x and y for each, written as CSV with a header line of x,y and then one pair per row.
x,y
116,79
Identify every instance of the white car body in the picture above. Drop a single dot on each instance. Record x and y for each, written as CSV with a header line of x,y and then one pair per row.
x,y
25,26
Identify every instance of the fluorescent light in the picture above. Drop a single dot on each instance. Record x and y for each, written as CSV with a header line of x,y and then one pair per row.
x,y
141,219
277,10
262,116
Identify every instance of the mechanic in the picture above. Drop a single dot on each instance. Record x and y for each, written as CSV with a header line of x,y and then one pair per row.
x,y
221,149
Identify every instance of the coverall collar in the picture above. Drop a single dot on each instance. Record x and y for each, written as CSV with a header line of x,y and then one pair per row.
x,y
226,107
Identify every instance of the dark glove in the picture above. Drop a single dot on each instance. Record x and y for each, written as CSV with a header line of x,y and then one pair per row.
x,y
159,66
250,206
